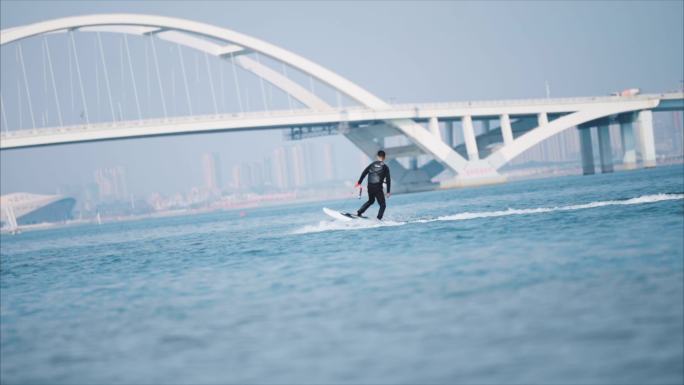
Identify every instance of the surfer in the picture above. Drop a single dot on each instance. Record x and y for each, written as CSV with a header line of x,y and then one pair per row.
x,y
377,173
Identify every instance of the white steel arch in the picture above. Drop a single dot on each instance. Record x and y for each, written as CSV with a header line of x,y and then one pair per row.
x,y
170,29
545,131
227,43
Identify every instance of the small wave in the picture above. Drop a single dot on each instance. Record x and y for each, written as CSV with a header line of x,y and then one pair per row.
x,y
340,226
357,225
632,201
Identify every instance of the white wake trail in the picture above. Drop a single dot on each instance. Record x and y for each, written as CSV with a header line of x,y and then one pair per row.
x,y
358,225
633,201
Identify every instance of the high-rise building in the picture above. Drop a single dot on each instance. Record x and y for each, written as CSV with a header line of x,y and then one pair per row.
x,y
328,162
311,168
256,173
280,167
241,177
268,171
248,176
297,166
211,168
111,183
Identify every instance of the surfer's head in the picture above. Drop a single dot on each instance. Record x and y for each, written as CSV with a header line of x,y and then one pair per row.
x,y
381,155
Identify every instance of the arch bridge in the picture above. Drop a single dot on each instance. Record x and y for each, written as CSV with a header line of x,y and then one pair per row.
x,y
404,131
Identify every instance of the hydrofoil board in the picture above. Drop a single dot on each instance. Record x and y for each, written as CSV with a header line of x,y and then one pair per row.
x,y
341,216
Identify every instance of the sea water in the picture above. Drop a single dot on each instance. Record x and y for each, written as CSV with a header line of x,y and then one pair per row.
x,y
564,280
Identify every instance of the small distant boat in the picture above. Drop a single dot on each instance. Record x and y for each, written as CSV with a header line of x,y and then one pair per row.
x,y
98,218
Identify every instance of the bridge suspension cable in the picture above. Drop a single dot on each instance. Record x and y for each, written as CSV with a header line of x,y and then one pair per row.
x,y
261,83
185,78
28,91
211,82
156,66
4,114
80,79
106,76
54,85
98,112
130,68
237,83
289,97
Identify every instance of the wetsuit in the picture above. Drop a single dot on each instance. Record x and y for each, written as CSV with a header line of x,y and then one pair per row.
x,y
377,173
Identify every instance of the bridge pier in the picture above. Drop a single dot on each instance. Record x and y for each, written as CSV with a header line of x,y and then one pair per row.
x,y
587,149
477,171
433,127
469,136
413,163
627,139
486,126
542,119
605,150
449,133
506,130
648,153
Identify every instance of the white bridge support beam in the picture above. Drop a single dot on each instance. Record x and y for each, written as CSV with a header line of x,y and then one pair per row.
x,y
587,150
506,130
433,127
413,163
627,140
449,133
486,126
476,171
648,153
605,150
469,136
542,119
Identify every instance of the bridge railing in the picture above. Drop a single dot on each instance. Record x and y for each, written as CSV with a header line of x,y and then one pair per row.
x,y
157,121
533,102
309,112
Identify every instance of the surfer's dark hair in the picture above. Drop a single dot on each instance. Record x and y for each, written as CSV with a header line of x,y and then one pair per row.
x,y
381,154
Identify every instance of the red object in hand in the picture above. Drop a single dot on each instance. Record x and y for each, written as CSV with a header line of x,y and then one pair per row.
x,y
357,184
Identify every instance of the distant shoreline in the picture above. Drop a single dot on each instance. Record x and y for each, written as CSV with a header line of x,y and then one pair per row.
x,y
522,174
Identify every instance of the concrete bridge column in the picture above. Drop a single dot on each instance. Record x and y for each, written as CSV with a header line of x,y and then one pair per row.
x,y
506,130
476,171
587,150
469,137
648,153
542,119
486,126
433,127
605,150
413,163
449,133
627,140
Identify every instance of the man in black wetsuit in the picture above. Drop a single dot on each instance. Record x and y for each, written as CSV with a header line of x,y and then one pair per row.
x,y
377,173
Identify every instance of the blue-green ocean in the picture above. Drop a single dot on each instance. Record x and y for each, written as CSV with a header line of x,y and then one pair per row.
x,y
571,280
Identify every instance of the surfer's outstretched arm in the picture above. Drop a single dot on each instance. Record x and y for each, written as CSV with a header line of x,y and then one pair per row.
x,y
363,175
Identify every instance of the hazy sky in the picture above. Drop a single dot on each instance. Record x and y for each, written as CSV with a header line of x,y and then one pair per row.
x,y
403,51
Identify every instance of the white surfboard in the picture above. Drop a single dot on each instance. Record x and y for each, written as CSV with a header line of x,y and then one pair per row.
x,y
340,216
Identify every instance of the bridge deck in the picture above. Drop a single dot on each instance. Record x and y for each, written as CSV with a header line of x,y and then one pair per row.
x,y
306,117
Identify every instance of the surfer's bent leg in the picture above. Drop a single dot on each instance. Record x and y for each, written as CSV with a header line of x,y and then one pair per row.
x,y
380,196
371,200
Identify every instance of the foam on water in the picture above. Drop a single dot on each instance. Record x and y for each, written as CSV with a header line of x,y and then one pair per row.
x,y
334,225
360,225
